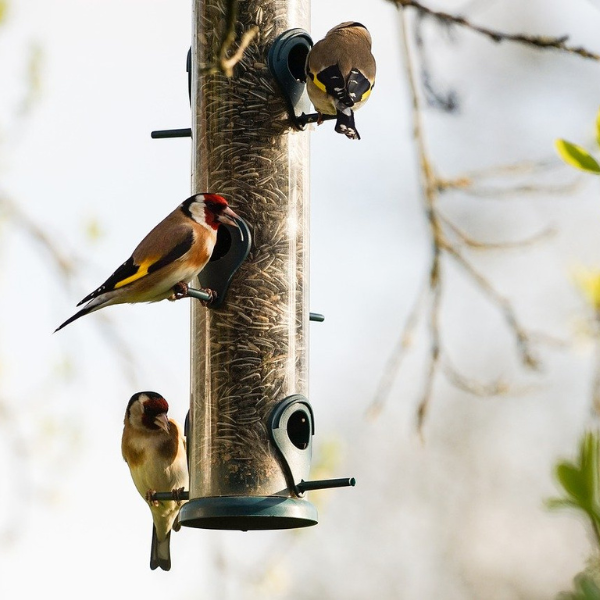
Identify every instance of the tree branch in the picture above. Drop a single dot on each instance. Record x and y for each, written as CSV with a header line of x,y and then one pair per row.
x,y
537,41
450,240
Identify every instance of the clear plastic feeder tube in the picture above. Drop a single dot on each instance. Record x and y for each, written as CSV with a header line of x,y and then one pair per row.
x,y
252,352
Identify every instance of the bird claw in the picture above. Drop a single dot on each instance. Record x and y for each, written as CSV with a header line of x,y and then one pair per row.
x,y
319,118
150,498
177,494
212,294
180,290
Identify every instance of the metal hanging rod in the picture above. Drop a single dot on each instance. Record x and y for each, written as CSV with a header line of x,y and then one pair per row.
x,y
171,133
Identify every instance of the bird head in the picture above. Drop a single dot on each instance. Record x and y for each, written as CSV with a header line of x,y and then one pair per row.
x,y
148,410
353,28
211,209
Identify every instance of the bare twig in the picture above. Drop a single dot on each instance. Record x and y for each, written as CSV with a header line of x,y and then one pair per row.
x,y
521,335
537,41
473,183
477,388
430,194
398,353
434,333
64,264
225,63
446,239
480,245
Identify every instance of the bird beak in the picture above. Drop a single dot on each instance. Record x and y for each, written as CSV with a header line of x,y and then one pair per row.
x,y
229,217
162,421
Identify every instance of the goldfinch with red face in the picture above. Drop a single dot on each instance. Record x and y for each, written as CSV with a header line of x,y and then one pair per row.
x,y
341,74
174,252
153,446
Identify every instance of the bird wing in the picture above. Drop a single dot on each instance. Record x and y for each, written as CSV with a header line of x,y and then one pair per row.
x,y
348,90
141,263
358,86
331,81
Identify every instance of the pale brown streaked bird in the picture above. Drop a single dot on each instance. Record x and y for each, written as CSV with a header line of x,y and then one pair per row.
x,y
174,252
153,447
341,74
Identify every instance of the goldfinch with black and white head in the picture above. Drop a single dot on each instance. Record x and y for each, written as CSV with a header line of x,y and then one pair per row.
x,y
174,252
341,74
153,447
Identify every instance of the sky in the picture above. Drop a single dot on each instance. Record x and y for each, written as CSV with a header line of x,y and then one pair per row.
x,y
457,515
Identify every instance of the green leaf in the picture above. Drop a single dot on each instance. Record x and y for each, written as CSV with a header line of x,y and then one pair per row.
x,y
589,458
579,479
587,587
573,480
560,503
598,128
577,157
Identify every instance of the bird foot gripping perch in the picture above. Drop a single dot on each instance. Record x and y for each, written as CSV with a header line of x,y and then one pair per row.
x,y
183,290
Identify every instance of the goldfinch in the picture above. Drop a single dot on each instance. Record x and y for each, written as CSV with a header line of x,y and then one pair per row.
x,y
174,252
153,447
340,73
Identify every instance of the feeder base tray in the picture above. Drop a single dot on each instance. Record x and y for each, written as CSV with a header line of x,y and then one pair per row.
x,y
248,513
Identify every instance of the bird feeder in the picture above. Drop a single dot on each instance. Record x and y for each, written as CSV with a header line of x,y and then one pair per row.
x,y
251,425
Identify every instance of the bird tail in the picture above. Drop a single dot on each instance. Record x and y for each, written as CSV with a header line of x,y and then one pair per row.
x,y
345,124
91,306
160,552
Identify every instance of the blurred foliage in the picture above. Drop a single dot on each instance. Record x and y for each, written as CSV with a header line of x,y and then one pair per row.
x,y
588,282
579,157
39,440
585,589
93,229
329,454
3,10
33,78
579,480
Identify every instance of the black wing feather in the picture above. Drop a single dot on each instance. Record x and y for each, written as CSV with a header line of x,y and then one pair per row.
x,y
334,83
357,85
129,268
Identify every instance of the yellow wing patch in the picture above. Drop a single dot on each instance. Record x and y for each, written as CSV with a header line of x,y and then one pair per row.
x,y
141,272
367,93
318,83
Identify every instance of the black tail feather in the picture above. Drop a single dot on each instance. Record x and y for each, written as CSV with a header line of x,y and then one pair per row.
x,y
156,560
81,313
345,124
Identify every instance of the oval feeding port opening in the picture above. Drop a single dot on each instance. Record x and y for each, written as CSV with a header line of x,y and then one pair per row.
x,y
222,245
298,429
297,61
